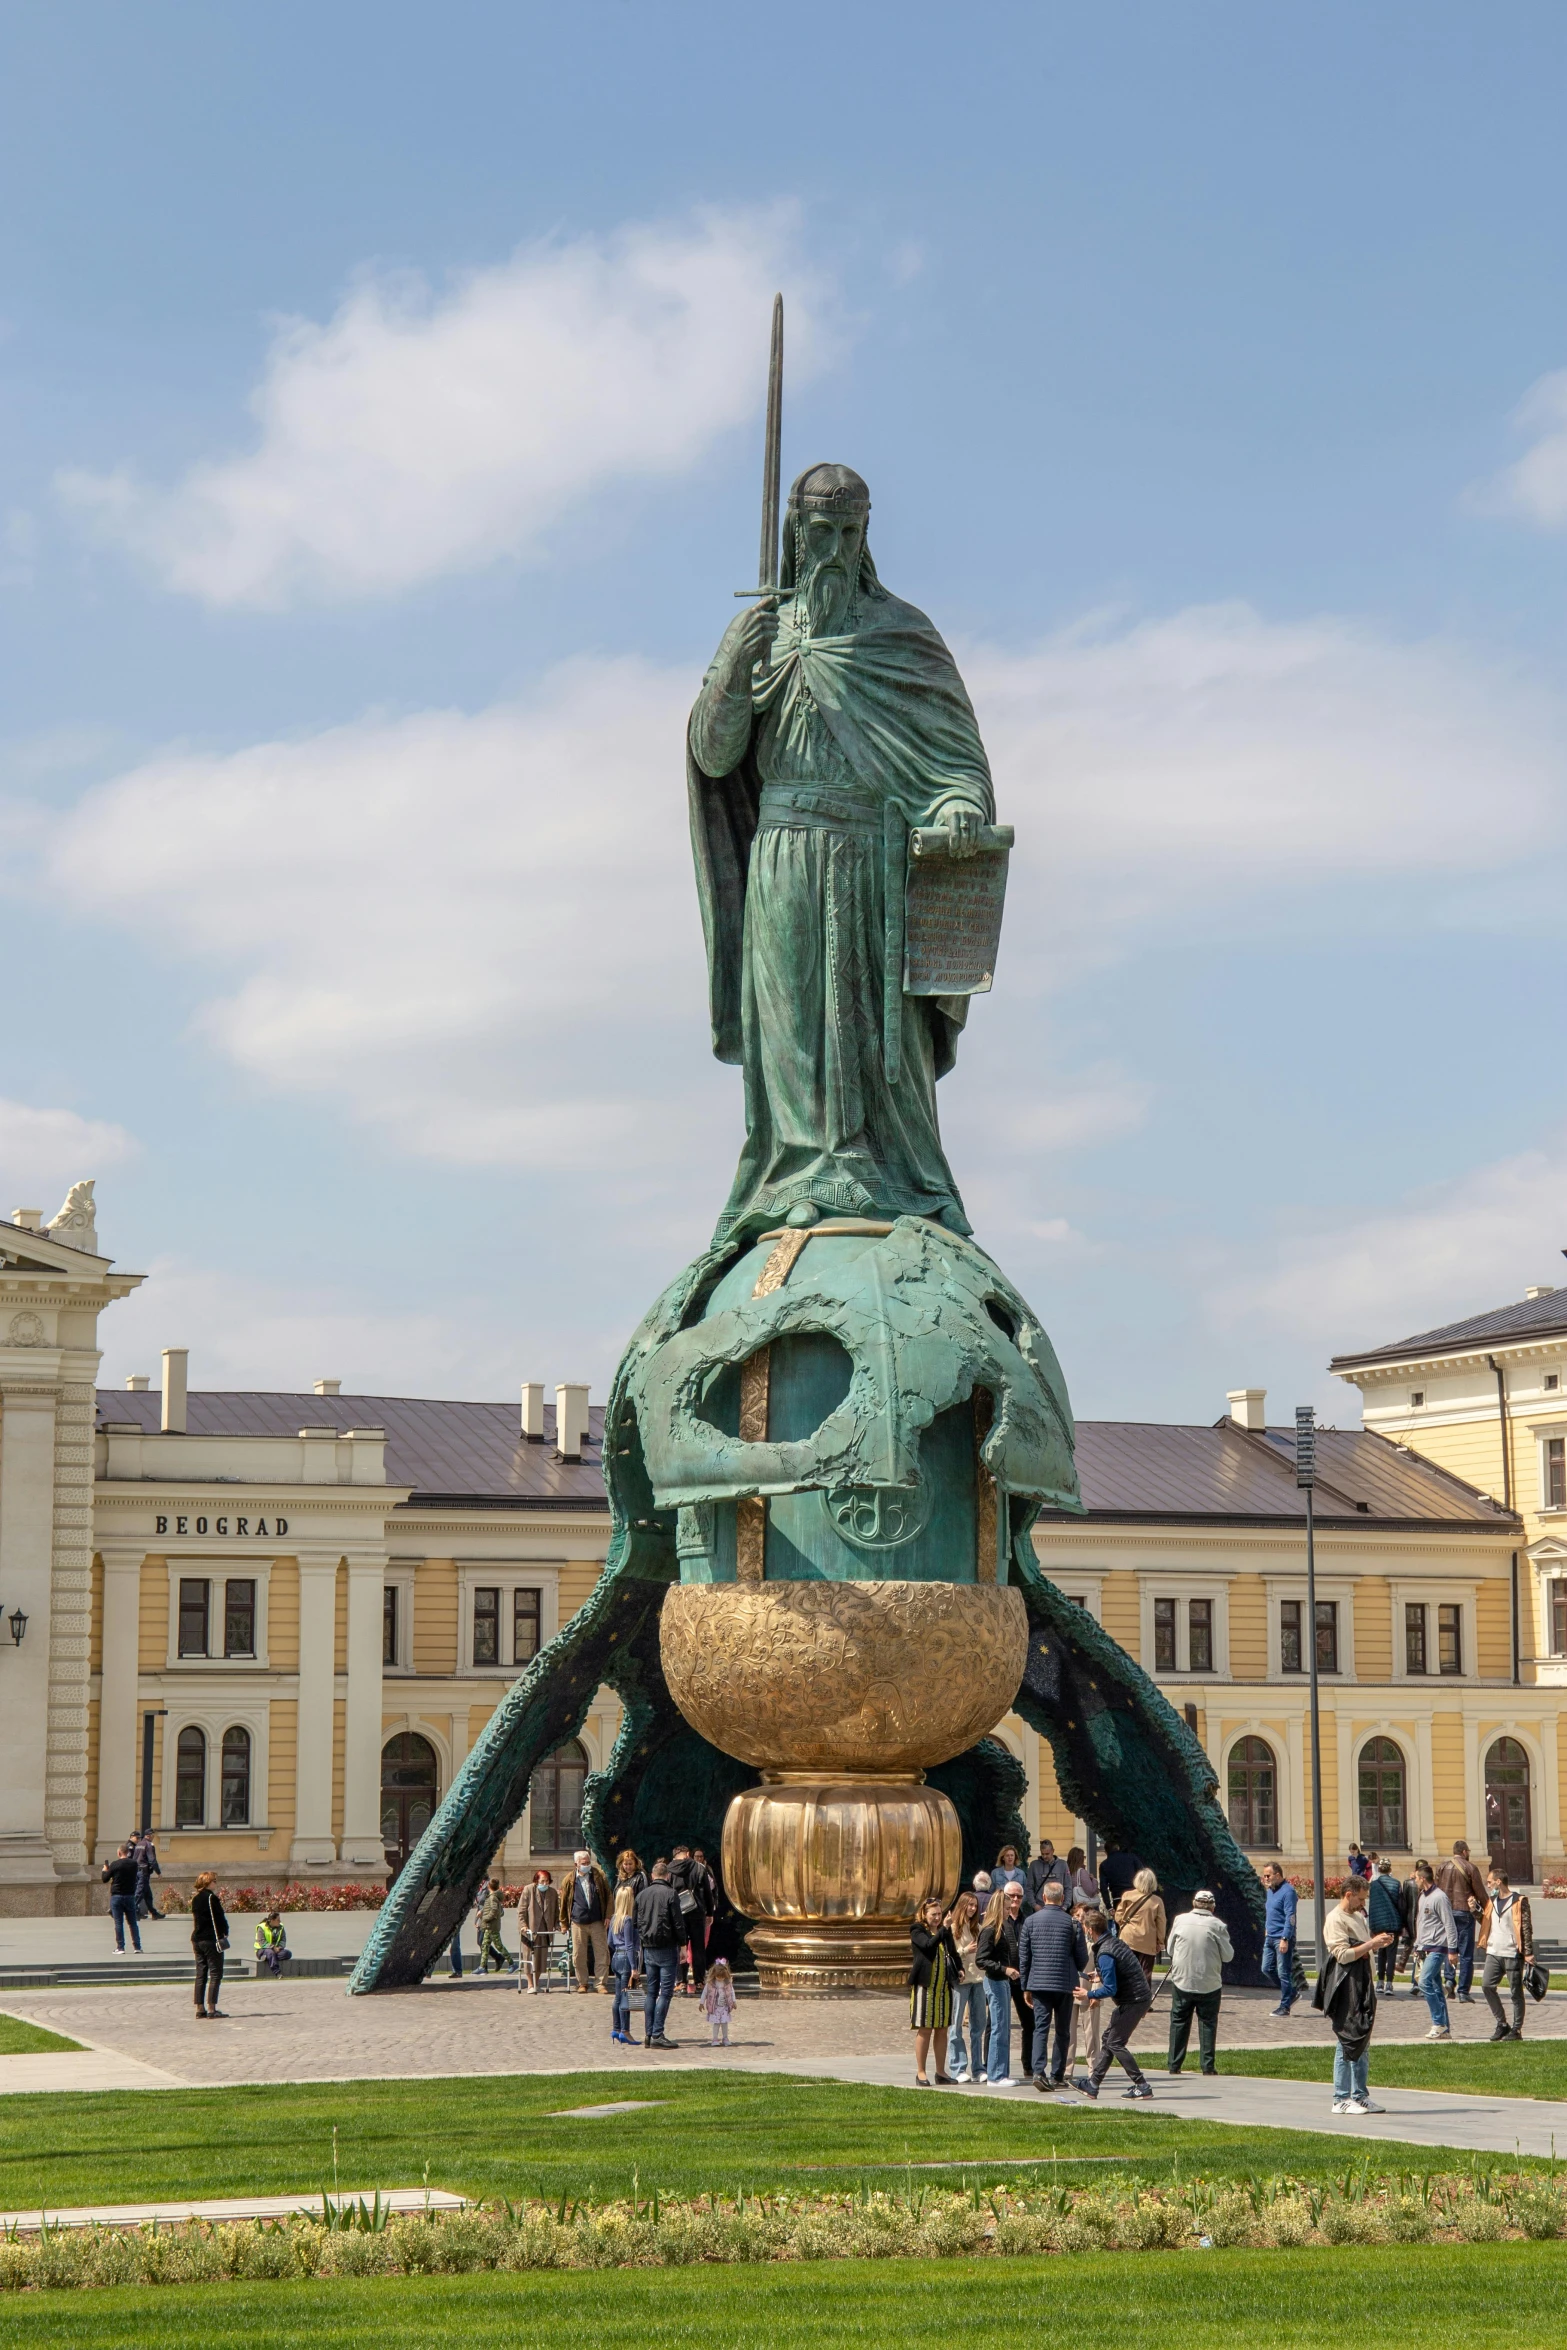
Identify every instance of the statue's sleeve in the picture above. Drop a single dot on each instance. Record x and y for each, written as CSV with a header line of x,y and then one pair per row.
x,y
720,728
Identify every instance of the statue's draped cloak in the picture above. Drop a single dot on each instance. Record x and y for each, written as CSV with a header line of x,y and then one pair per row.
x,y
796,900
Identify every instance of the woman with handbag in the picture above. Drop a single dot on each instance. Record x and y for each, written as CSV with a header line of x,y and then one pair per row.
x,y
209,1938
934,1968
1140,1919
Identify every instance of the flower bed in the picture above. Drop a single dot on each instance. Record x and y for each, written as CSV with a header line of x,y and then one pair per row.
x,y
356,2239
243,1898
1305,1887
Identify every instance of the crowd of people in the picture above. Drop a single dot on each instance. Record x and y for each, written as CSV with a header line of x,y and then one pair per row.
x,y
657,1931
1070,1959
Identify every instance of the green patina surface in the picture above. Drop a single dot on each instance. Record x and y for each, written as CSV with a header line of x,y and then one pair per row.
x,y
899,1356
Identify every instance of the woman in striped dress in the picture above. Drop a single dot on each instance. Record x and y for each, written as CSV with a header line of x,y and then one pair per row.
x,y
934,1969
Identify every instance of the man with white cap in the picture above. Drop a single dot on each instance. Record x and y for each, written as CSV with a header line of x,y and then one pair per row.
x,y
1199,1948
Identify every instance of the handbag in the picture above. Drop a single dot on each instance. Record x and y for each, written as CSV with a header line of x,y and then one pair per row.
x,y
1538,1977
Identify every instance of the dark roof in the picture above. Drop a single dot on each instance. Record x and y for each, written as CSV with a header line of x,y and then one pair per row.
x,y
1138,1469
472,1453
1531,1317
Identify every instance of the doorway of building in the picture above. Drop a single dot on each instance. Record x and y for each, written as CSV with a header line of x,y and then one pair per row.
x,y
1509,1829
410,1784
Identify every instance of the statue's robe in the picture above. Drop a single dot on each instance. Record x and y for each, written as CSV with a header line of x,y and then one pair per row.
x,y
803,793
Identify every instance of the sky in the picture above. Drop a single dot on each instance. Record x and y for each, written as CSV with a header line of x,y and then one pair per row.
x,y
380,420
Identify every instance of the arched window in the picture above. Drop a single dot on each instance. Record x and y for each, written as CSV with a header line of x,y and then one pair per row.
x,y
555,1800
1382,1809
1509,1828
236,1778
409,1782
190,1778
1254,1798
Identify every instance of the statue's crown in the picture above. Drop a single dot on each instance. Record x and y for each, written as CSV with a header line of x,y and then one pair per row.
x,y
836,489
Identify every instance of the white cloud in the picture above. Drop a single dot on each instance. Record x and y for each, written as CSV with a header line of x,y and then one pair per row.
x,y
416,435
478,933
1180,765
1453,1249
1535,488
44,1148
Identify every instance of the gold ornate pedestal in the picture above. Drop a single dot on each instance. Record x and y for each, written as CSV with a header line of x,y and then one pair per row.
x,y
842,1694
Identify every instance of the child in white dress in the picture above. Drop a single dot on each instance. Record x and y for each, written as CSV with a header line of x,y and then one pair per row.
x,y
718,2001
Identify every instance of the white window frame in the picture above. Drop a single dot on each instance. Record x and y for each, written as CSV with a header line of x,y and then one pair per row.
x,y
1183,1589
1431,1596
1278,1747
401,1579
1416,1807
1070,1583
1335,1587
212,1713
1542,1435
506,1576
215,1573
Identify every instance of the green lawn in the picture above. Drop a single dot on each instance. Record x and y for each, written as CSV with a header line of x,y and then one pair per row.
x,y
19,2039
1513,2068
1489,2296
494,2137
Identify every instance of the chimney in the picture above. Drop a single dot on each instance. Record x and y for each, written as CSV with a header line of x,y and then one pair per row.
x,y
138,1383
176,1366
329,1387
30,1219
1542,1289
1248,1406
571,1420
533,1411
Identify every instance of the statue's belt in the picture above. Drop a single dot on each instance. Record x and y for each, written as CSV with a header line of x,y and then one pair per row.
x,y
820,806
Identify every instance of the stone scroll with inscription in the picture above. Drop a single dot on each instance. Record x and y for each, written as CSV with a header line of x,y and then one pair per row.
x,y
952,918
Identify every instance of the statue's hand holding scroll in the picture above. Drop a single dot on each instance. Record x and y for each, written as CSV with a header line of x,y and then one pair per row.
x,y
963,823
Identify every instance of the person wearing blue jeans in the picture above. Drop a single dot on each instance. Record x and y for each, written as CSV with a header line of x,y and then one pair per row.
x,y
660,1931
1278,1936
968,1993
1464,1886
996,1956
119,1875
1436,1942
624,1957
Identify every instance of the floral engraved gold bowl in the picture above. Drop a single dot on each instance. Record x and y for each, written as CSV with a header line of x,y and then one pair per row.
x,y
884,1678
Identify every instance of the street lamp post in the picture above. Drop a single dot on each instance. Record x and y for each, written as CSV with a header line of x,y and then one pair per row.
x,y
1306,1479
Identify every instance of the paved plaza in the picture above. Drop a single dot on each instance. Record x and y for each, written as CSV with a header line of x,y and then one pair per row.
x,y
146,2038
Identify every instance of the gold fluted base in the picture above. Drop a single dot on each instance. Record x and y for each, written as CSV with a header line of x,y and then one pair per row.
x,y
834,1872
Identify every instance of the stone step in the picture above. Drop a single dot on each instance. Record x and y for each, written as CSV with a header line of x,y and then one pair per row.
x,y
131,1970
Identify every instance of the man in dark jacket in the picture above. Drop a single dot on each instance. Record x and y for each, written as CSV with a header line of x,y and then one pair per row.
x,y
660,1932
144,1851
584,1909
1048,1868
1121,1981
689,1884
119,1875
1387,1912
1464,1886
1052,1954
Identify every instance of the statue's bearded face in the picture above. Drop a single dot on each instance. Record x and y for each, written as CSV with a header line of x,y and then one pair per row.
x,y
830,549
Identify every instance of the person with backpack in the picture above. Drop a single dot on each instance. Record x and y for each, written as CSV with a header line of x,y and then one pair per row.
x,y
1200,1949
1122,1984
119,1875
145,1854
1387,1910
1507,1938
691,1889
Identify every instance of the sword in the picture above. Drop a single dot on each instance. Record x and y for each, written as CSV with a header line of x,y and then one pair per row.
x,y
772,463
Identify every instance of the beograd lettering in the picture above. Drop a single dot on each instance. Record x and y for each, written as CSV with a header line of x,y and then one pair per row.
x,y
261,1531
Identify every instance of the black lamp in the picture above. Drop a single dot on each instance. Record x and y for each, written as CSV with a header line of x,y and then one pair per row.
x,y
18,1622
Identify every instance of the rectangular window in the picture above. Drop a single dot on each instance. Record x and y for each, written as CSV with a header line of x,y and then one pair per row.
x,y
1556,1472
1164,1636
1414,1638
1327,1635
1290,1657
1199,1636
487,1627
524,1626
1417,1397
194,1594
1449,1639
389,1625
1559,1619
1553,1381
239,1617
